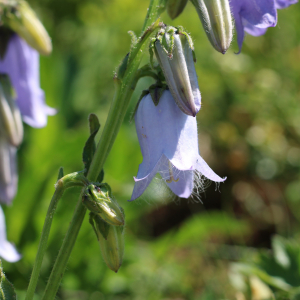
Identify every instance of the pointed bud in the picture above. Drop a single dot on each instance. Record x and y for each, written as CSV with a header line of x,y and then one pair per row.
x,y
174,52
11,125
23,20
175,7
216,19
98,199
111,240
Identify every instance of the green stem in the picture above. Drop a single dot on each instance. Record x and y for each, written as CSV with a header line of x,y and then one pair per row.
x,y
42,245
71,180
120,103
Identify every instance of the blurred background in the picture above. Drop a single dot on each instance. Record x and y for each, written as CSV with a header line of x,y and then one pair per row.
x,y
241,240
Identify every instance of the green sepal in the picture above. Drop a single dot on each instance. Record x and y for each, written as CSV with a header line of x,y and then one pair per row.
x,y
175,7
100,176
60,173
102,226
90,145
156,91
123,67
7,291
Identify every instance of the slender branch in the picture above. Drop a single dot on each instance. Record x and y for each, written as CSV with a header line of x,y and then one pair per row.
x,y
71,180
42,245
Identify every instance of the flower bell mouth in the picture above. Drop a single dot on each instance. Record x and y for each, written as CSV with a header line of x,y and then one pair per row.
x,y
170,149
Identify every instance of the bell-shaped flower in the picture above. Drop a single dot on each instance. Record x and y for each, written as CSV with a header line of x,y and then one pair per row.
x,y
174,54
21,64
255,16
169,145
7,250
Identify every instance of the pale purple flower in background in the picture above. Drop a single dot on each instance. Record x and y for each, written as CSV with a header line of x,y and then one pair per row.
x,y
255,16
21,64
169,144
7,250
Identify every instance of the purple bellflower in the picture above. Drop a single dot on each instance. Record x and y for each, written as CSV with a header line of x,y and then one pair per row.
x,y
21,65
169,144
255,16
7,250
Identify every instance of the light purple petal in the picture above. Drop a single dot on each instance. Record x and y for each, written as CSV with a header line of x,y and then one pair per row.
x,y
183,182
21,63
142,182
8,171
165,129
253,15
254,30
204,169
7,250
260,13
279,4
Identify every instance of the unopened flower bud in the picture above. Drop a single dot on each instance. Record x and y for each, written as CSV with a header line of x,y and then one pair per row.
x,y
23,20
175,7
216,19
99,200
111,240
10,118
175,55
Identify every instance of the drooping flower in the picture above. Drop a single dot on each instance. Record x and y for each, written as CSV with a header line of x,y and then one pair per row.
x,y
169,145
255,16
20,65
7,250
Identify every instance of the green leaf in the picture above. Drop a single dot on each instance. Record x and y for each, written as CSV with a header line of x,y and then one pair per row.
x,y
7,291
90,145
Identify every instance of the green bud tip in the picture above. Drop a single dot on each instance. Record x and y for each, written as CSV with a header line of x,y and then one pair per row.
x,y
217,22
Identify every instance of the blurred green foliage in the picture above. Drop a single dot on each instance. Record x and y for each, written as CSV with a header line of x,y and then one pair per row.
x,y
249,131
